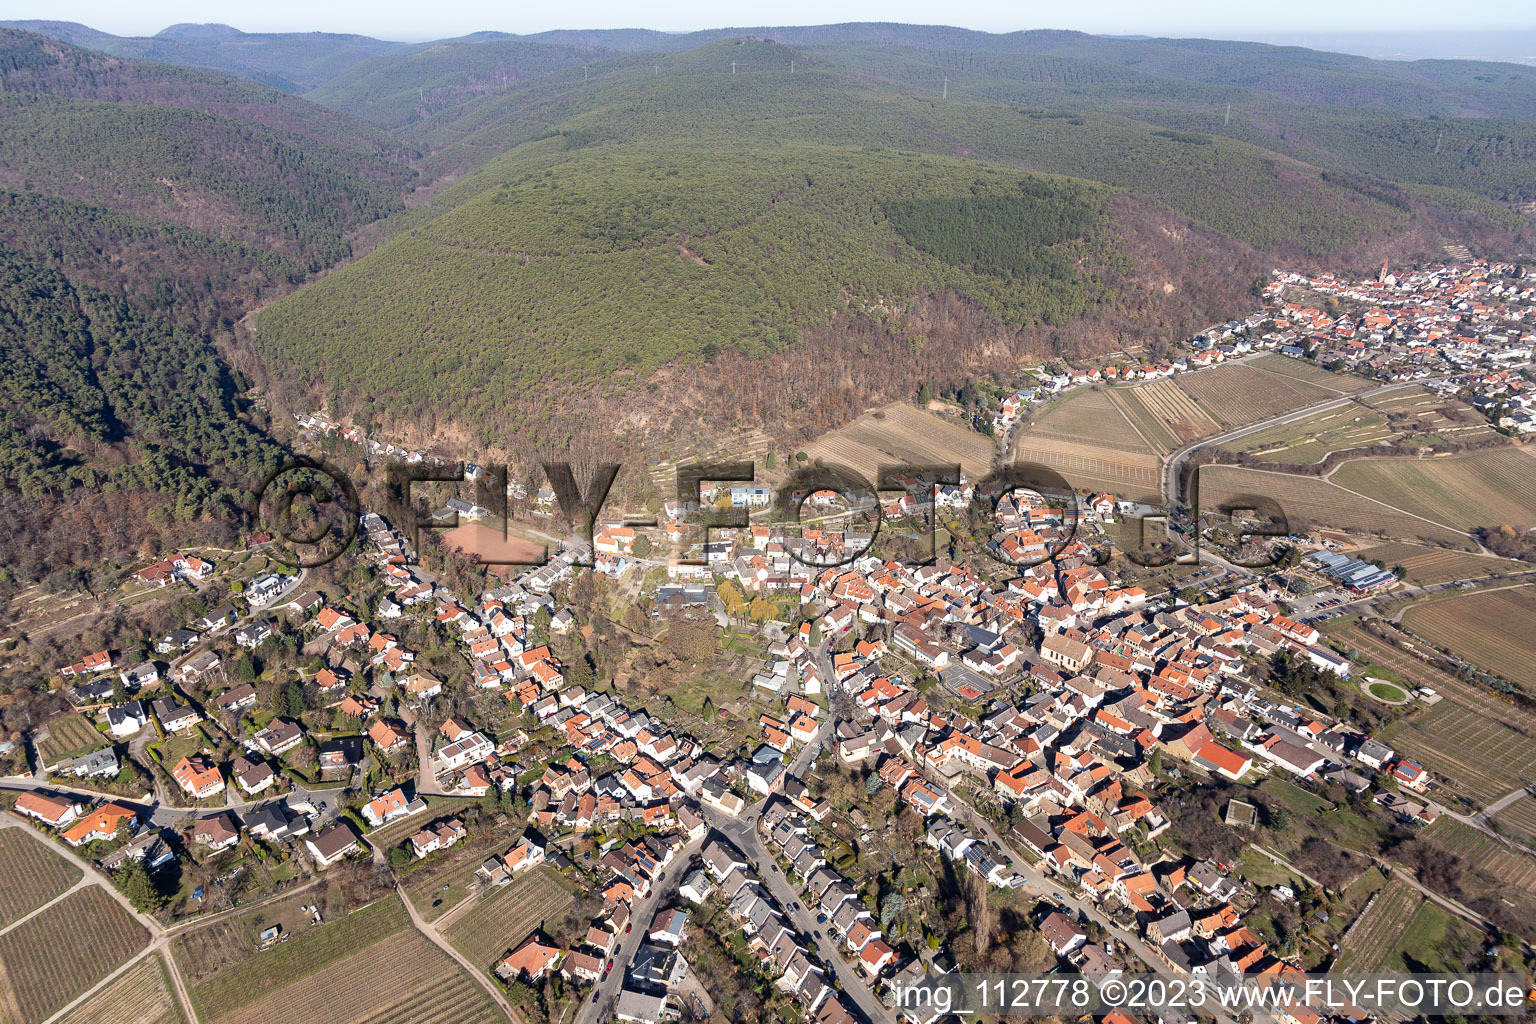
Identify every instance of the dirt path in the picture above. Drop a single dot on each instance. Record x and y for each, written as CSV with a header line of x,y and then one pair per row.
x,y
443,944
90,875
177,984
63,895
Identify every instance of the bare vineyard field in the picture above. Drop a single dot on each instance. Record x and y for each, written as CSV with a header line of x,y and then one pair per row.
x,y
141,995
1094,468
1315,501
1164,403
1091,416
445,879
1373,937
69,736
1155,431
1472,741
503,917
400,978
1519,820
30,874
1487,853
1466,751
1426,565
304,953
1310,373
902,433
1310,440
1240,393
51,959
1486,629
1464,491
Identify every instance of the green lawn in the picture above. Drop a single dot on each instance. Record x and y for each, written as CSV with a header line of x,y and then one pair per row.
x,y
1263,872
1388,692
1434,941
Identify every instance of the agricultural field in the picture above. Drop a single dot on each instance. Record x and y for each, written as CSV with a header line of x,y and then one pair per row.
x,y
1477,627
1432,418
1371,940
1425,565
1092,416
1092,440
1434,940
307,951
1461,491
1309,440
70,735
1466,751
502,917
140,995
1309,373
1152,429
51,959
442,881
399,979
1518,820
30,874
902,433
1475,744
1486,853
1163,403
1312,500
1095,468
1243,393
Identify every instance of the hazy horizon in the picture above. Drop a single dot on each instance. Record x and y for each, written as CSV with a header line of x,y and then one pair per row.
x,y
1419,29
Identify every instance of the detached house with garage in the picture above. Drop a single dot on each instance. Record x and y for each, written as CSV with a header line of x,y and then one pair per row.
x,y
50,810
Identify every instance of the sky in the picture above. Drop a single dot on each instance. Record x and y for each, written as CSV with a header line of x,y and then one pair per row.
x,y
1420,21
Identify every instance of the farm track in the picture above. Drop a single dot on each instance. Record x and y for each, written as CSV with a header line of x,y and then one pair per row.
x,y
51,961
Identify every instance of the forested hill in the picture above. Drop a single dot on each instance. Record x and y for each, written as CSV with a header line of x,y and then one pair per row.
x,y
221,155
114,423
394,92
304,61
144,209
750,207
36,64
291,61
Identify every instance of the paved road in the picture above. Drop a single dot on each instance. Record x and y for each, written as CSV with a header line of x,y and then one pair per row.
x,y
623,954
1039,884
743,832
1173,465
163,814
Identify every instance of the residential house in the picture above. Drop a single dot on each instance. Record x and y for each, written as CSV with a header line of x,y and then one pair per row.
x,y
332,844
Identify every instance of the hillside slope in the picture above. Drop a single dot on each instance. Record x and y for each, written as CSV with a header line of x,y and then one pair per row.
x,y
714,207
220,155
291,61
393,92
144,209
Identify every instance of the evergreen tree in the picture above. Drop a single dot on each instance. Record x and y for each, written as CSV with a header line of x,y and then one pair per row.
x,y
134,882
